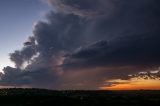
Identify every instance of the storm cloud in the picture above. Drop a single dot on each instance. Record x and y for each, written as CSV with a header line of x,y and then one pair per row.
x,y
83,43
83,7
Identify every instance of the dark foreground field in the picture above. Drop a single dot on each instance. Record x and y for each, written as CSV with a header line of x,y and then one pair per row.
x,y
39,97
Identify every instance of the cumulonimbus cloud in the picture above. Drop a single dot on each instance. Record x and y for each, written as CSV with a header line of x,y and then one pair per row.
x,y
83,43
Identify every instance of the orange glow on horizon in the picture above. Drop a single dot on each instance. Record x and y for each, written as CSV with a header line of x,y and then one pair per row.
x,y
133,84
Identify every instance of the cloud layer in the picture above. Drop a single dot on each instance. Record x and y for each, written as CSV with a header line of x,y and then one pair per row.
x,y
84,43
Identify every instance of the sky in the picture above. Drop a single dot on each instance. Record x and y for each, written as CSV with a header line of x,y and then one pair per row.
x,y
17,19
77,44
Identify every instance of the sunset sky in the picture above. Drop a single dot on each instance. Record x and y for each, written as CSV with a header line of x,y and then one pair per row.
x,y
80,44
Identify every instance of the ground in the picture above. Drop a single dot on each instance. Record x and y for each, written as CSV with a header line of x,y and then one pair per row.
x,y
36,97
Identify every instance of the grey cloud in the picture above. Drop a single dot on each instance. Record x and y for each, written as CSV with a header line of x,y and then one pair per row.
x,y
90,51
24,55
83,7
154,75
99,33
18,77
51,40
132,34
125,51
60,31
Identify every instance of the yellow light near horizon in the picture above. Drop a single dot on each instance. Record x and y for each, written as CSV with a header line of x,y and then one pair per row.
x,y
133,84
